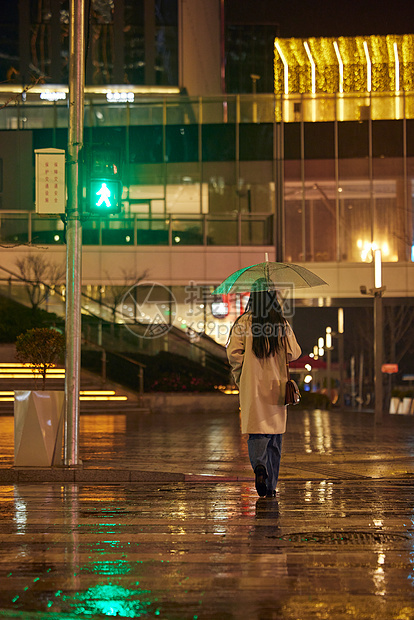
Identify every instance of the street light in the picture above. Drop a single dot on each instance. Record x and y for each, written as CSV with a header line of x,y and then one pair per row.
x,y
328,346
377,292
340,336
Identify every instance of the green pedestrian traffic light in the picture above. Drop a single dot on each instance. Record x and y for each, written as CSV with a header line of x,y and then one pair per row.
x,y
102,180
104,196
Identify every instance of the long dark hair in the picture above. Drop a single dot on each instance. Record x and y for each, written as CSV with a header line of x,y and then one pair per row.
x,y
268,322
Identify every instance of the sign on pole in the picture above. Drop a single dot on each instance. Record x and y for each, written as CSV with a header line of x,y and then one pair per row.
x,y
50,181
389,369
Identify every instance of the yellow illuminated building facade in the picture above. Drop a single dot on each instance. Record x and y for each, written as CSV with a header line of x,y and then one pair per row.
x,y
345,65
346,109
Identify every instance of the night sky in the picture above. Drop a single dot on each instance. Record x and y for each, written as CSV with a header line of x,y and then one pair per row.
x,y
318,18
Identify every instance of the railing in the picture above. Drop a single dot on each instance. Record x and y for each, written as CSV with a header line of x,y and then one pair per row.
x,y
36,113
256,229
115,339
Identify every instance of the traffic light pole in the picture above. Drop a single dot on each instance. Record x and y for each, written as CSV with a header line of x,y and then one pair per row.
x,y
74,232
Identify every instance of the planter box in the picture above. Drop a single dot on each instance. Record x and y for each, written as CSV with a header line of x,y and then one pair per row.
x,y
395,404
405,406
38,428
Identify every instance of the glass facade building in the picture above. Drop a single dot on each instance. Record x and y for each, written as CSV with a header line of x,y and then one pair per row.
x,y
224,171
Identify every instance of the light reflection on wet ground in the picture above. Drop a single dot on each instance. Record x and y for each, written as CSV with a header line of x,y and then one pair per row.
x,y
182,551
318,444
337,543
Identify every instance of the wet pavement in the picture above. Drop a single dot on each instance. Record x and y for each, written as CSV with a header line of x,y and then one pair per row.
x,y
195,542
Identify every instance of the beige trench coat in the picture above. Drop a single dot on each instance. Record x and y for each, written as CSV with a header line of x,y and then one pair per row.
x,y
261,382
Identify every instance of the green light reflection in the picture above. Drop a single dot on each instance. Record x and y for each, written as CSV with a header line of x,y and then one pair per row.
x,y
118,567
110,600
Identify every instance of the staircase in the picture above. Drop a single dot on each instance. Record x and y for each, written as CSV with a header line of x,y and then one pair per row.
x,y
94,398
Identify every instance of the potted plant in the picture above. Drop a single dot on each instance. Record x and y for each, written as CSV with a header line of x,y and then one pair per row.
x,y
38,415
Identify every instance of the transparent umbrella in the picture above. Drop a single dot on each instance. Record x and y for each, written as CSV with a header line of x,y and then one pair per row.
x,y
271,276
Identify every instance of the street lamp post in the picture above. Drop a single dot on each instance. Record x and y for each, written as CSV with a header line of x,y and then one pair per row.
x,y
378,335
377,292
74,232
340,336
328,347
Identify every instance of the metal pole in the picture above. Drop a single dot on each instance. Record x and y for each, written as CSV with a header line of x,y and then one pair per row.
x,y
360,381
353,382
341,371
328,372
378,353
74,232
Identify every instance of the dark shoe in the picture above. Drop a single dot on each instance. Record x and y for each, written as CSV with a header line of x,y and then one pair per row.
x,y
260,483
270,493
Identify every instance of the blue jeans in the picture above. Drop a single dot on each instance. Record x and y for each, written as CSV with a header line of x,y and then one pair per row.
x,y
266,450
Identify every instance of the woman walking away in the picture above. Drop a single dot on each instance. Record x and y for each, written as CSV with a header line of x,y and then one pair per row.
x,y
259,341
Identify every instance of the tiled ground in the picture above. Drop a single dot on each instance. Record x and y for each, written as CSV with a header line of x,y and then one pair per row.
x,y
337,543
208,551
318,444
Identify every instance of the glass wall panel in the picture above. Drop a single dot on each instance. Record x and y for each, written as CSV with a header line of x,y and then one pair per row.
x,y
47,138
34,116
181,143
183,110
257,231
14,228
353,139
223,231
219,142
108,136
294,209
149,113
390,220
100,59
117,231
166,42
292,140
410,138
50,230
105,115
152,231
387,138
9,35
184,195
187,231
410,211
91,232
257,109
255,187
146,144
220,178
220,110
355,212
62,116
134,42
319,218
319,140
256,141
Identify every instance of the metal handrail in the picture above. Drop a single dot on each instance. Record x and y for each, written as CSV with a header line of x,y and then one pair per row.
x,y
167,219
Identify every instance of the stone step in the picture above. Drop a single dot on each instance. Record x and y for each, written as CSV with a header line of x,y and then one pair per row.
x,y
91,407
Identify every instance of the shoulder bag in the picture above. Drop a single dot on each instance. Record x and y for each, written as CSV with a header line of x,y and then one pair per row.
x,y
292,394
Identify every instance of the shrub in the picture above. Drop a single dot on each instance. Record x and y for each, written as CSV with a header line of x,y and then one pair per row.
x,y
42,347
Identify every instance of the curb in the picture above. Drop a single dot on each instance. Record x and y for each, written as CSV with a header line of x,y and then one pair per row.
x,y
68,475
